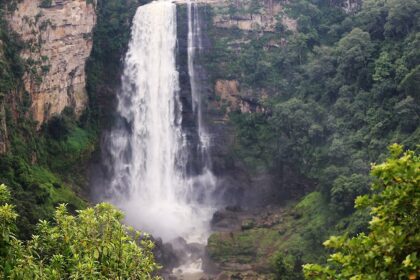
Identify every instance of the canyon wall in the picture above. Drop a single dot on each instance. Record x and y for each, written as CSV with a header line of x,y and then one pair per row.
x,y
58,40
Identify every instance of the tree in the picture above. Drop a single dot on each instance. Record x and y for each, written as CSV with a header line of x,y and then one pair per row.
x,y
9,246
299,43
299,129
383,67
345,189
254,7
410,84
92,245
354,53
391,249
402,17
287,268
372,17
232,9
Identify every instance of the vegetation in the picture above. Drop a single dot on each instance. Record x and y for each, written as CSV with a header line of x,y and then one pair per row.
x,y
43,167
390,249
91,245
340,90
334,107
46,169
11,65
45,3
291,238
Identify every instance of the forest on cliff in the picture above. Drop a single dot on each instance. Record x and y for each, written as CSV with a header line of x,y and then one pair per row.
x,y
343,88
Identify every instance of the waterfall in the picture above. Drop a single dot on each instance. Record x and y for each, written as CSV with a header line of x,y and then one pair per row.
x,y
195,46
148,149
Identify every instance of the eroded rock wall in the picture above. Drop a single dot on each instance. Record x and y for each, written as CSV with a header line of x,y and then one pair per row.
x,y
350,6
58,41
265,17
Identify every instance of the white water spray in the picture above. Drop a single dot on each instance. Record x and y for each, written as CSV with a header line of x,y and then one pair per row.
x,y
149,150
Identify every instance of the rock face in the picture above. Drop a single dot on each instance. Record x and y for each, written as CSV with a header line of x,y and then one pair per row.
x,y
230,96
58,41
267,17
351,6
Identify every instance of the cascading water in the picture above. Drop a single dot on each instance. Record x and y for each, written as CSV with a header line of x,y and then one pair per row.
x,y
148,149
195,46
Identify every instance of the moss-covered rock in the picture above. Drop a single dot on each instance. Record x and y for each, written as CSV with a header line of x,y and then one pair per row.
x,y
272,232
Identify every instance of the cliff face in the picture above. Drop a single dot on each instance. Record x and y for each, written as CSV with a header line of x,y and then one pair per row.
x,y
351,6
58,41
265,17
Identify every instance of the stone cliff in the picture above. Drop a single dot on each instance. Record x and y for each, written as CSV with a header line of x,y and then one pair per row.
x,y
265,17
58,40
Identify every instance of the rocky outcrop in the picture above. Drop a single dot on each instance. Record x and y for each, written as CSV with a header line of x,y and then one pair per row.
x,y
229,96
58,40
237,14
351,6
265,18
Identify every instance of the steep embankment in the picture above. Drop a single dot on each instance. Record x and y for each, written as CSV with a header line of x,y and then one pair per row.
x,y
55,96
58,40
44,148
230,28
309,102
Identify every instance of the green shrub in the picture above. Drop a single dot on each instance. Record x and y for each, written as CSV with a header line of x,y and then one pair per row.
x,y
94,244
391,249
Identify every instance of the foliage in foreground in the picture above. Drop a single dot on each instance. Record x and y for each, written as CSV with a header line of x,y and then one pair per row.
x,y
92,245
391,249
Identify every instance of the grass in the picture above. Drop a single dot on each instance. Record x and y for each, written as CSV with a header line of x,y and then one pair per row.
x,y
314,210
58,191
78,141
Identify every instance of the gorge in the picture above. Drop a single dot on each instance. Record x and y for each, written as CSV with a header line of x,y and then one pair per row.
x,y
238,134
